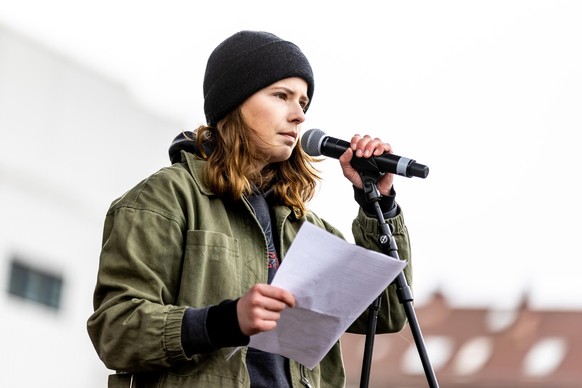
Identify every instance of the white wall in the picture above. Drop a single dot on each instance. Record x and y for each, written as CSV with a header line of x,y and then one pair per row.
x,y
70,142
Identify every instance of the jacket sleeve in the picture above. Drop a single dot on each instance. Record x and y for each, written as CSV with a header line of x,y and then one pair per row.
x,y
366,231
135,326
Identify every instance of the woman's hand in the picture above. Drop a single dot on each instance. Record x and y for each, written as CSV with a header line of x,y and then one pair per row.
x,y
260,308
366,147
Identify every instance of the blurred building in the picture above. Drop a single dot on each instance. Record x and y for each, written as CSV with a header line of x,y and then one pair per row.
x,y
72,140
477,348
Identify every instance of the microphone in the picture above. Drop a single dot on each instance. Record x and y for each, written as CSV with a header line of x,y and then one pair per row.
x,y
315,142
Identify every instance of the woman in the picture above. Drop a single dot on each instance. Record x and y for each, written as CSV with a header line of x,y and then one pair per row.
x,y
188,254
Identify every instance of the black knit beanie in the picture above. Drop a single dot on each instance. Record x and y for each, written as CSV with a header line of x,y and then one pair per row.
x,y
245,63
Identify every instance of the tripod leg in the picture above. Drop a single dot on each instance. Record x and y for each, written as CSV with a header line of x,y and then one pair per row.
x,y
369,347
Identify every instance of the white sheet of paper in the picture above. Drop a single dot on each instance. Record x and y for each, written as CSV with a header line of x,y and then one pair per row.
x,y
333,282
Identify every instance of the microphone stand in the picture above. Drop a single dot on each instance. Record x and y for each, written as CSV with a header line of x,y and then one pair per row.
x,y
404,292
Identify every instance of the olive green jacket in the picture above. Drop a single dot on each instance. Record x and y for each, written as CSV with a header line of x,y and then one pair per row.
x,y
170,243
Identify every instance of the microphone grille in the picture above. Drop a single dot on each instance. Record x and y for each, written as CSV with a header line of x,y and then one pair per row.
x,y
311,141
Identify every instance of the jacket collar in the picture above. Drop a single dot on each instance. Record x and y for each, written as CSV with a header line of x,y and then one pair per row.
x,y
195,167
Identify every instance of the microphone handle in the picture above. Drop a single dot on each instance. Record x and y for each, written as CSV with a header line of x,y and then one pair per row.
x,y
386,163
334,148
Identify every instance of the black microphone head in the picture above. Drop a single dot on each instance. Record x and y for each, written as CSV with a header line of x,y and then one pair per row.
x,y
311,141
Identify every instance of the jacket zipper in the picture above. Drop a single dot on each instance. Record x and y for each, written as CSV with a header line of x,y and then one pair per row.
x,y
304,379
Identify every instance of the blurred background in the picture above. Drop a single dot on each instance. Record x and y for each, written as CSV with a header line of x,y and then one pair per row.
x,y
487,94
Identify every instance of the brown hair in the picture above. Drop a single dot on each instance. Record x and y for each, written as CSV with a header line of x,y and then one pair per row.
x,y
234,166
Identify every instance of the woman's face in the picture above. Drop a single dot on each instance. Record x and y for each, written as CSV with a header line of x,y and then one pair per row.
x,y
275,114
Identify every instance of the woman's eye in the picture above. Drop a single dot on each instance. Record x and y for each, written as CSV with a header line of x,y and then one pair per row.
x,y
282,96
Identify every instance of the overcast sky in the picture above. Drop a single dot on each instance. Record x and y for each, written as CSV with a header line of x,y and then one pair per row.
x,y
488,94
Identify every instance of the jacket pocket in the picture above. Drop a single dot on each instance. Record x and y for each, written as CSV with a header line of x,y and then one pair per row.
x,y
211,269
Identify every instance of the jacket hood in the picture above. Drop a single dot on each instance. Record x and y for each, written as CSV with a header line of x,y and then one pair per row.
x,y
185,141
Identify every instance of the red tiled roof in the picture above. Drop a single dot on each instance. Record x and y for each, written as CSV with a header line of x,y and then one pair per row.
x,y
473,347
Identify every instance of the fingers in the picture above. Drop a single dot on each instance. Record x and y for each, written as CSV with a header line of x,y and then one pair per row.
x,y
366,146
260,308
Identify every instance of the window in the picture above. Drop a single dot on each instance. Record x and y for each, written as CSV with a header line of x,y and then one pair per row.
x,y
439,350
473,355
35,285
499,320
545,356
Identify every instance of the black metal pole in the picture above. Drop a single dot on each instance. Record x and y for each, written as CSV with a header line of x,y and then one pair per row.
x,y
403,290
